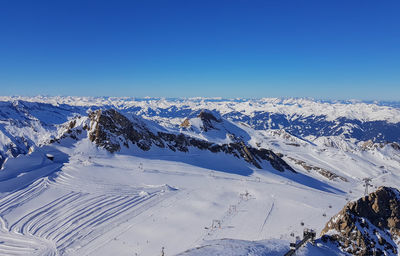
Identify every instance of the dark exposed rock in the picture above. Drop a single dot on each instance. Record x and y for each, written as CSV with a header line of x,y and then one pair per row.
x,y
207,115
248,156
396,146
207,119
71,131
293,144
328,174
276,161
2,159
111,130
368,226
72,124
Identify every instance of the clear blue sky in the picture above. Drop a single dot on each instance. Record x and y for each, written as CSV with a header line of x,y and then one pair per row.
x,y
322,49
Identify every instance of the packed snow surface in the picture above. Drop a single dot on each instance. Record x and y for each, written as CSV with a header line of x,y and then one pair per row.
x,y
96,203
73,198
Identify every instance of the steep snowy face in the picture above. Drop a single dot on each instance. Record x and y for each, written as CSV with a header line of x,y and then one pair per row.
x,y
205,121
210,126
368,226
209,120
26,124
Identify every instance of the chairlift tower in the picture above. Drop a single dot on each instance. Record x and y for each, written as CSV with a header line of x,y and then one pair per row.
x,y
232,209
216,224
366,185
245,196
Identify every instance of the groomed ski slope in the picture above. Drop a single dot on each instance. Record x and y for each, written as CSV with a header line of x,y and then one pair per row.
x,y
96,203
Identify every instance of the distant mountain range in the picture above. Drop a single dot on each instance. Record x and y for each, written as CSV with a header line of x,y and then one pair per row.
x,y
238,127
248,163
307,119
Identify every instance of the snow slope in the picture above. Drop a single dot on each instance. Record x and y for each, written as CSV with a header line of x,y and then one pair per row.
x,y
142,201
72,197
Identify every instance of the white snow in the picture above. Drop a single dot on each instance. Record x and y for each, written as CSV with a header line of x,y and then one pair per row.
x,y
87,201
290,107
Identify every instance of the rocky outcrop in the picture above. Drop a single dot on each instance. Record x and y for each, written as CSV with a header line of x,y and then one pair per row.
x,y
185,123
74,129
368,226
289,138
2,159
112,130
209,120
274,159
109,129
396,146
327,174
370,145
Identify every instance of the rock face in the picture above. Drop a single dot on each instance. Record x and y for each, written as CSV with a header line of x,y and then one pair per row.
x,y
370,145
208,118
324,172
112,130
368,226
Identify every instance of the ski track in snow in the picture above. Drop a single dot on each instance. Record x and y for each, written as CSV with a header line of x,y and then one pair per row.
x,y
19,244
96,204
17,198
14,243
266,218
72,220
74,216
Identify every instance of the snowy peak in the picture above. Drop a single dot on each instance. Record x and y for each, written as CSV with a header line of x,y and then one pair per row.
x,y
290,107
109,129
303,118
209,125
69,194
208,119
368,226
26,124
205,121
114,132
289,138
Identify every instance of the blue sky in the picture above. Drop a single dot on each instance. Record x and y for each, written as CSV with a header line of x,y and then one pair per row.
x,y
321,49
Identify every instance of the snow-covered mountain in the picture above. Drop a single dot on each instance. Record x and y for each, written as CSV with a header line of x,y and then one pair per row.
x,y
303,118
25,124
96,176
377,121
